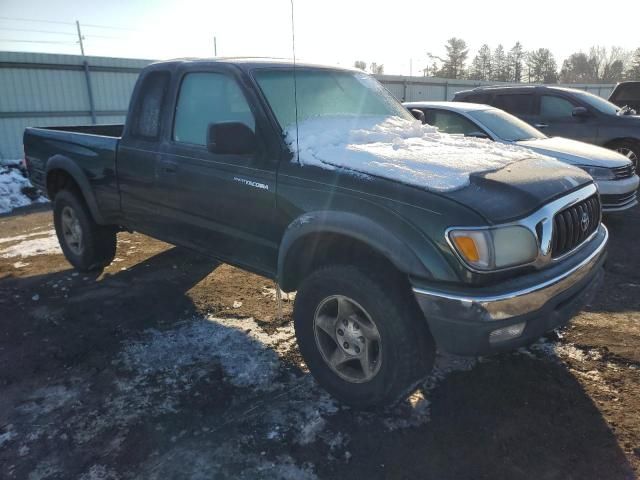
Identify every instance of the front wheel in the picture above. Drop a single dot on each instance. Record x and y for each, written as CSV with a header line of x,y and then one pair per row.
x,y
86,245
630,150
363,338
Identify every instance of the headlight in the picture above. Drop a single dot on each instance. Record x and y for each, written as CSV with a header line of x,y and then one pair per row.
x,y
598,173
495,248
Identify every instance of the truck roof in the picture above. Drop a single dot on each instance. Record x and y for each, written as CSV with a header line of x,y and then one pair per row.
x,y
249,63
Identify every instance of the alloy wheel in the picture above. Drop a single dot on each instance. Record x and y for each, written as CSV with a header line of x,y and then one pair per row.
x,y
348,339
72,231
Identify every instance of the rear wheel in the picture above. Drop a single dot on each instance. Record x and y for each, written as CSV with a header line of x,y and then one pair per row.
x,y
363,338
86,245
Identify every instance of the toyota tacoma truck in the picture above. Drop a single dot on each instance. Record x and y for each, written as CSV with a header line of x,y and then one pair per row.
x,y
399,239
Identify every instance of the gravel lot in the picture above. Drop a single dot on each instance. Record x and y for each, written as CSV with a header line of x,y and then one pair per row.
x,y
169,365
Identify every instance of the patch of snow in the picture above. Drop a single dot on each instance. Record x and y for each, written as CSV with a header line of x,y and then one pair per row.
x,y
38,246
35,298
20,264
564,351
8,435
237,304
271,293
99,472
18,238
12,184
399,149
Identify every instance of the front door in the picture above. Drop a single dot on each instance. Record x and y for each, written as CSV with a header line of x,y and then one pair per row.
x,y
556,119
224,204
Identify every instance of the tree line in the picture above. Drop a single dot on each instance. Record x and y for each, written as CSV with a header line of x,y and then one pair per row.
x,y
599,65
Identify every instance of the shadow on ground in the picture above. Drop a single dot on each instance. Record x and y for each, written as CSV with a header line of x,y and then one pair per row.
x,y
120,376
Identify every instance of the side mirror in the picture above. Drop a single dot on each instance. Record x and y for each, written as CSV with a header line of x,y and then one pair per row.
x,y
418,114
477,134
580,112
231,138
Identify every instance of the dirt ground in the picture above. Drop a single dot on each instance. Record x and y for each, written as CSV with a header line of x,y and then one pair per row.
x,y
168,365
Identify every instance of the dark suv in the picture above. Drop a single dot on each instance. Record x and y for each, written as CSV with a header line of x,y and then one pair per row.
x,y
565,112
626,94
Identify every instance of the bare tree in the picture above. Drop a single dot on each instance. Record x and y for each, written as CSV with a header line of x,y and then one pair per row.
x,y
360,64
376,69
633,72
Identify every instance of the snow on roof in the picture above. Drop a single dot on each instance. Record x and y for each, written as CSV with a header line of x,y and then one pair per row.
x,y
399,149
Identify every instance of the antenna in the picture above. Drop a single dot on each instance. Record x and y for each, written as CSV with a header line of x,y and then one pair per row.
x,y
295,81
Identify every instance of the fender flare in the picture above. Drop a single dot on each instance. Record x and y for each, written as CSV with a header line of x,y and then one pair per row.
x,y
60,162
357,227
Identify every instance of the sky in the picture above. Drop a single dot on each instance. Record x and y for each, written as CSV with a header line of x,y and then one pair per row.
x,y
396,33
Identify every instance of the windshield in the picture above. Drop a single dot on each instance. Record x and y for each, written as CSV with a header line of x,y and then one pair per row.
x,y
323,93
598,103
505,125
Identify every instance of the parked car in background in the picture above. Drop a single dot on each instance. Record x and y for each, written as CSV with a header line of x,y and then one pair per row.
x,y
566,112
627,94
614,174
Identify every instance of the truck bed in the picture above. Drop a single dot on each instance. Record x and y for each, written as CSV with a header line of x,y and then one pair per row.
x,y
88,149
110,130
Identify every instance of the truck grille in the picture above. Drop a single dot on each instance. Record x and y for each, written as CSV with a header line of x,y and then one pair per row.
x,y
623,172
574,225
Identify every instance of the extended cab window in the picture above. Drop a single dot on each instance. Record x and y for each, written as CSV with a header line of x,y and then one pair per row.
x,y
515,103
207,98
147,111
450,122
552,106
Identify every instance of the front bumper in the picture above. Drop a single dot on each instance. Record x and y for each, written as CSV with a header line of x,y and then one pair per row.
x,y
462,322
618,195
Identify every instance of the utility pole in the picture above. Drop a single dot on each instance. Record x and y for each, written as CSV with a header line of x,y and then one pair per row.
x,y
215,46
80,38
85,64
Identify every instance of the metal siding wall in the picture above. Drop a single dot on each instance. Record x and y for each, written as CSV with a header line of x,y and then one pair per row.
x,y
35,88
56,83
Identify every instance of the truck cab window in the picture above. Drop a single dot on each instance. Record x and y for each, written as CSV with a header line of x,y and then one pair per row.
x,y
207,98
146,114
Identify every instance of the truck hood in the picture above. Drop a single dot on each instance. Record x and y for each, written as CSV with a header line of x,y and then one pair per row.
x,y
519,189
575,153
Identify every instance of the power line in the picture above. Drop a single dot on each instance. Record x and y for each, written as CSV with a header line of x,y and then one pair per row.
x,y
37,31
35,20
110,27
15,40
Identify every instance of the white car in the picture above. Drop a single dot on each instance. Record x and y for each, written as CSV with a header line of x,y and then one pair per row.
x,y
613,173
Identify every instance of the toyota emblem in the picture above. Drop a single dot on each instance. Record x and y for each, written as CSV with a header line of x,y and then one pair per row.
x,y
584,221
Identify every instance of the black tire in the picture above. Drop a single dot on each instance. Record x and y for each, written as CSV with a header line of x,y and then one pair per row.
x,y
407,348
629,149
98,246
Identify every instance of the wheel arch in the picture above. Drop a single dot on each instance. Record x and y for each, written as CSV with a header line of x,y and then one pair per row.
x,y
319,238
62,172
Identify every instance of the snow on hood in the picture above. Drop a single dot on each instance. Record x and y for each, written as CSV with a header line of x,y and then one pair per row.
x,y
399,149
576,153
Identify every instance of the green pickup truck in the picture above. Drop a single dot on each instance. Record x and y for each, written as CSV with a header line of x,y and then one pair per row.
x,y
398,239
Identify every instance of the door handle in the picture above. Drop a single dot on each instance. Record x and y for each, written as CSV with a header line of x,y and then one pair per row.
x,y
540,125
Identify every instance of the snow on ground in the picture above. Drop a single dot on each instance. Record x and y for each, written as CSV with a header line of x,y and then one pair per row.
x,y
28,245
12,185
404,150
